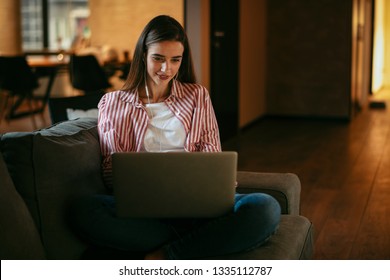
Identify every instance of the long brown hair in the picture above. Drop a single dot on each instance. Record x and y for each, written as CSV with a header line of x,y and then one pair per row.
x,y
160,28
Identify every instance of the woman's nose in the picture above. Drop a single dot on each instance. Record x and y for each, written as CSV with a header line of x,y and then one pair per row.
x,y
164,66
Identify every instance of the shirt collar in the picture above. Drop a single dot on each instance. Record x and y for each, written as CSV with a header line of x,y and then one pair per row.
x,y
177,89
130,96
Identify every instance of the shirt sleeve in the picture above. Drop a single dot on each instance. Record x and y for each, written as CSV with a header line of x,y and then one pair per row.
x,y
209,131
107,137
210,138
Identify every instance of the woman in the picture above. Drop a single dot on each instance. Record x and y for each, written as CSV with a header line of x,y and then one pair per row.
x,y
162,109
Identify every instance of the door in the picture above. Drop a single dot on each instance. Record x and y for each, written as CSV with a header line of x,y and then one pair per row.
x,y
224,64
361,54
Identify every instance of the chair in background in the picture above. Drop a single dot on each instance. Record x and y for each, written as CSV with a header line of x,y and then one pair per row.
x,y
17,85
66,108
87,75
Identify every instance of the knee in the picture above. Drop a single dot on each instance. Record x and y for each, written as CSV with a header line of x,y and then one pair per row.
x,y
260,207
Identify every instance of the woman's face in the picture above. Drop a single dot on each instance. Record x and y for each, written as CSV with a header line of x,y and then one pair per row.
x,y
163,61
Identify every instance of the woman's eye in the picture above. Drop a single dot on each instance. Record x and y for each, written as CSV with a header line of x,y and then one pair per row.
x,y
176,60
158,59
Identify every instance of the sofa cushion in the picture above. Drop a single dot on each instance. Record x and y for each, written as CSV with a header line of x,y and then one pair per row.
x,y
49,168
292,241
16,223
16,150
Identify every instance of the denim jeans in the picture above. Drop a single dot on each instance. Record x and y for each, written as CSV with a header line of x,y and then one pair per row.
x,y
254,219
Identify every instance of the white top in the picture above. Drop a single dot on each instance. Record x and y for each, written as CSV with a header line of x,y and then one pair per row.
x,y
165,132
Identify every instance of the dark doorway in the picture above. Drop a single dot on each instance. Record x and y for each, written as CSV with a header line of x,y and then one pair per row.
x,y
224,64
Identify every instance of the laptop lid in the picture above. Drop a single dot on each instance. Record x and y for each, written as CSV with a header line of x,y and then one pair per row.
x,y
174,185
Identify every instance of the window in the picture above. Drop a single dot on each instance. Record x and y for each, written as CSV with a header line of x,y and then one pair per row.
x,y
67,23
32,31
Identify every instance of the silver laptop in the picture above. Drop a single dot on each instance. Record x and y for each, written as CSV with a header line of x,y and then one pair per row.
x,y
174,185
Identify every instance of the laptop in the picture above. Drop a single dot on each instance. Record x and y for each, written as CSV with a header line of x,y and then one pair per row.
x,y
174,185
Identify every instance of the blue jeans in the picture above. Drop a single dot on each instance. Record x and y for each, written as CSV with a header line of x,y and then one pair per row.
x,y
254,219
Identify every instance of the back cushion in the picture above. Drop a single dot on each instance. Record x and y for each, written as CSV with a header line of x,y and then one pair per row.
x,y
19,238
49,168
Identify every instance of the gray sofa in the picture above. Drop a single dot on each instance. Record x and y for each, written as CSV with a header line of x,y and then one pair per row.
x,y
42,171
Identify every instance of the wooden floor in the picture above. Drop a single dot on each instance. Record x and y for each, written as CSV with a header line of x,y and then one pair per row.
x,y
344,168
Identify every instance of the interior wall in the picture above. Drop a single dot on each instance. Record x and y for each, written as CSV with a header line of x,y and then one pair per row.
x,y
205,44
309,65
381,54
119,23
193,29
387,45
361,53
197,23
10,27
252,61
378,48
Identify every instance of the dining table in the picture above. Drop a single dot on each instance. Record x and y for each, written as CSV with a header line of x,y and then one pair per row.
x,y
46,65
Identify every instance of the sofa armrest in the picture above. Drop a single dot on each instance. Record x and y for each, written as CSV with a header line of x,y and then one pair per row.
x,y
284,187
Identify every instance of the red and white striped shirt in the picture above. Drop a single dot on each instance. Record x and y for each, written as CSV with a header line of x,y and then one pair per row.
x,y
123,121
